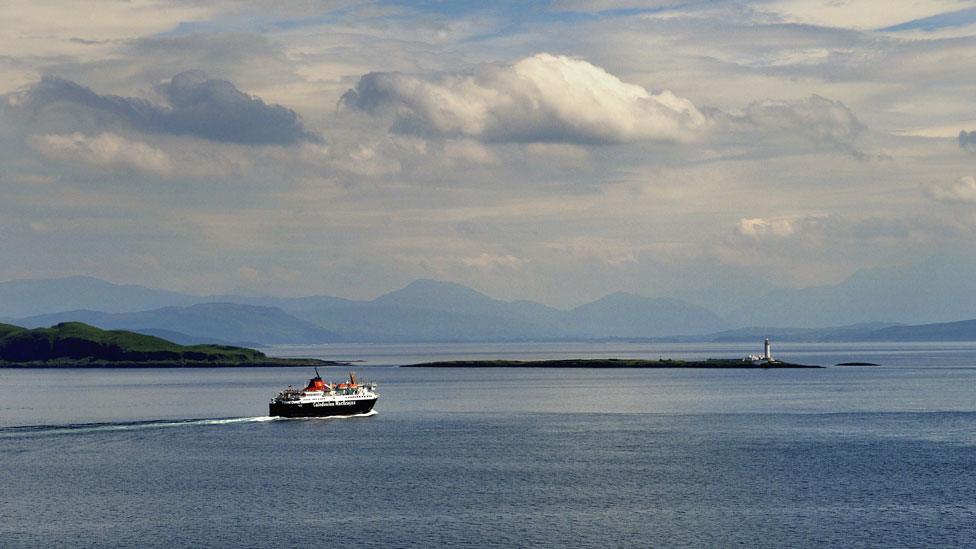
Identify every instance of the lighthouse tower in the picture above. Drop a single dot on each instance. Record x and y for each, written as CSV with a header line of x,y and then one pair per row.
x,y
767,354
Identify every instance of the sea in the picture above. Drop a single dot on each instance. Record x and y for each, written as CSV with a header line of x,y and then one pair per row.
x,y
872,456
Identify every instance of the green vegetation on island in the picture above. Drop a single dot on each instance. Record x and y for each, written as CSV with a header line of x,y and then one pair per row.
x,y
716,363
77,345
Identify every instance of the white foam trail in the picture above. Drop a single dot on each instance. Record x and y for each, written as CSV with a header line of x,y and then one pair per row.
x,y
365,414
40,430
257,419
195,422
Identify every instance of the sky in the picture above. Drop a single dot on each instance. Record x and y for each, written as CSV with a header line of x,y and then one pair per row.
x,y
553,151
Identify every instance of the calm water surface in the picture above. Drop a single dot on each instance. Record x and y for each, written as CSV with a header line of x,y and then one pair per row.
x,y
876,457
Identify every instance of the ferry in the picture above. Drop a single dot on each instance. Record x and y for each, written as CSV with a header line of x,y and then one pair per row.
x,y
321,399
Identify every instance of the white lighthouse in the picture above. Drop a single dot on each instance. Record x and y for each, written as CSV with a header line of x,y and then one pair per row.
x,y
764,359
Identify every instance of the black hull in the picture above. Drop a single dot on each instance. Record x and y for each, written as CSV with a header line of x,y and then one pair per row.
x,y
351,408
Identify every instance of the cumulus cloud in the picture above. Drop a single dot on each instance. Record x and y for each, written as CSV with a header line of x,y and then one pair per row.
x,y
816,120
193,105
108,151
492,261
796,236
759,228
962,190
542,98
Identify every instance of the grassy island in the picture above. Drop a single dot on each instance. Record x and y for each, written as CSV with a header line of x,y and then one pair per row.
x,y
716,363
78,345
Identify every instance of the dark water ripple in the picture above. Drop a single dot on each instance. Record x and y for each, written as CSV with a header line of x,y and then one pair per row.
x,y
879,457
502,480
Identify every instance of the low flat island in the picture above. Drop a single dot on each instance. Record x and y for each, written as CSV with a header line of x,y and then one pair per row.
x,y
78,345
714,363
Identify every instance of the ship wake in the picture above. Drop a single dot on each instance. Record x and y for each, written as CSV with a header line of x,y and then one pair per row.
x,y
351,416
80,428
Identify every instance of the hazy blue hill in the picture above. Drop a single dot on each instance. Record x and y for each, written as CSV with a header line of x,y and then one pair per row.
x,y
442,296
382,322
24,298
854,332
425,310
287,304
430,310
617,315
434,310
449,296
964,330
629,315
20,298
940,289
733,291
215,321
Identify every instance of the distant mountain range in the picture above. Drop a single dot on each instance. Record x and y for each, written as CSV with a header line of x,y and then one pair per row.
x,y
20,298
425,310
201,323
869,305
963,330
855,332
940,289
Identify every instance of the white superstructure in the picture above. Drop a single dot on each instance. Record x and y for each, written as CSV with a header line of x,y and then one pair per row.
x,y
765,358
319,398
